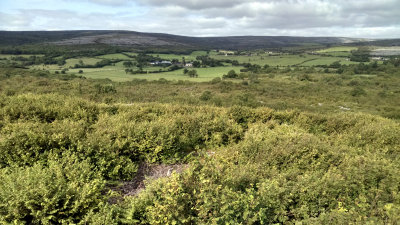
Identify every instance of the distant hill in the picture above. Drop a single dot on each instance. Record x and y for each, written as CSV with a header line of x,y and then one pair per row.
x,y
386,42
138,39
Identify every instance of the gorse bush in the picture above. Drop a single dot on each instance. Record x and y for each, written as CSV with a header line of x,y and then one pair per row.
x,y
25,143
155,133
252,165
47,108
114,138
72,149
277,174
62,192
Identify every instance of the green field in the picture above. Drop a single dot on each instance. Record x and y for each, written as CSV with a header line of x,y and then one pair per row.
x,y
114,56
188,58
117,73
327,61
205,74
85,60
108,72
131,53
9,56
272,60
51,68
338,49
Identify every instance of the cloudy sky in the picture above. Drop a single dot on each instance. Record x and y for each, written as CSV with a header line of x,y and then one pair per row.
x,y
344,18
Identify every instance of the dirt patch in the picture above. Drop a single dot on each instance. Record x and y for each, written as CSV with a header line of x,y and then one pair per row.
x,y
146,171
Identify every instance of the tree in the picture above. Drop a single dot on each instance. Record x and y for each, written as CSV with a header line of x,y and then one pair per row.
x,y
360,55
231,74
192,73
128,64
185,71
335,65
128,71
196,64
235,63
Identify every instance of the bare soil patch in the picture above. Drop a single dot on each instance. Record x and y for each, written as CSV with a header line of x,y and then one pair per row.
x,y
146,172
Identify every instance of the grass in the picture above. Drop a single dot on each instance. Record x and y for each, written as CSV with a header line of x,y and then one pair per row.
x,y
108,72
114,56
69,64
117,73
190,57
85,60
327,61
8,56
338,54
131,53
50,68
337,49
205,74
273,60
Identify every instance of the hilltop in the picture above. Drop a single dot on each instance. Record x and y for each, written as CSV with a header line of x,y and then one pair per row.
x,y
139,39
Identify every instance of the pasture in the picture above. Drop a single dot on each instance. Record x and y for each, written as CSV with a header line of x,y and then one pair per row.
x,y
188,58
285,59
338,49
205,74
9,56
117,73
85,60
114,56
318,61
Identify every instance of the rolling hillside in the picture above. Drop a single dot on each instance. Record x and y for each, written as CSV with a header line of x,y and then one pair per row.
x,y
138,39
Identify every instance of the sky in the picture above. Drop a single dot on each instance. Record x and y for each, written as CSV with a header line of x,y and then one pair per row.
x,y
339,18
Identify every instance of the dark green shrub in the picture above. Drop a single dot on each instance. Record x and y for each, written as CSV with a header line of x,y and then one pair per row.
x,y
216,80
206,95
358,91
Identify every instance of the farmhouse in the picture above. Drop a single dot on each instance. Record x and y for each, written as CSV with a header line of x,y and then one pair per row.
x,y
189,65
164,62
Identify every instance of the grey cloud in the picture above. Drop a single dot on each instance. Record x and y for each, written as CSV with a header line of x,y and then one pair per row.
x,y
40,19
309,14
117,3
11,21
193,4
222,17
110,2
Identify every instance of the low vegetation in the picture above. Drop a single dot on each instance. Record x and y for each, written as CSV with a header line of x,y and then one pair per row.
x,y
309,141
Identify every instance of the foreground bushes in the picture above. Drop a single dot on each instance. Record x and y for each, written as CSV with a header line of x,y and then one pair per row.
x,y
114,138
279,174
252,166
63,191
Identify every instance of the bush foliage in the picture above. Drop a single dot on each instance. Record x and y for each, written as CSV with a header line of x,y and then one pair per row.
x,y
266,166
297,148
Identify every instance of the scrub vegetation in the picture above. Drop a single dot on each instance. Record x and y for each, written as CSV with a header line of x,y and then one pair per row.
x,y
300,136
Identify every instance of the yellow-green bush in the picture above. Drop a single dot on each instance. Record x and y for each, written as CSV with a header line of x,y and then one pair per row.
x,y
279,173
62,192
254,166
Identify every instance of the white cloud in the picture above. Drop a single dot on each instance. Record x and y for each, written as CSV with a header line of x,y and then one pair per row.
x,y
193,4
13,22
352,18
